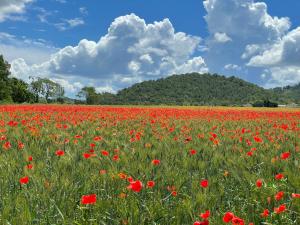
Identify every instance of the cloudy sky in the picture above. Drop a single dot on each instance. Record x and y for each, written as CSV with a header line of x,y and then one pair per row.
x,y
114,44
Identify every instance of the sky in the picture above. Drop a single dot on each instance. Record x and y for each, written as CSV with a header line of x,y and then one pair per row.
x,y
114,44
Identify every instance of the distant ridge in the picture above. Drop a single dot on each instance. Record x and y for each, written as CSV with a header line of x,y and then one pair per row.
x,y
199,89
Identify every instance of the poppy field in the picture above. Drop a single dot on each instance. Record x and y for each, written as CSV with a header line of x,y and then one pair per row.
x,y
149,165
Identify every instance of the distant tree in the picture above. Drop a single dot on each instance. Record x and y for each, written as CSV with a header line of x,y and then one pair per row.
x,y
265,103
5,89
20,91
89,94
46,88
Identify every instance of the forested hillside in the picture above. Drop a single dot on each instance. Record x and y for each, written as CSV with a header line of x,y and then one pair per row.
x,y
195,89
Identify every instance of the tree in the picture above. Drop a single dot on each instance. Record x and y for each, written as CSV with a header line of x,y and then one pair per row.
x,y
89,94
5,89
43,87
20,91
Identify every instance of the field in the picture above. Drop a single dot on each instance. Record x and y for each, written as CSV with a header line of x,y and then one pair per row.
x,y
125,165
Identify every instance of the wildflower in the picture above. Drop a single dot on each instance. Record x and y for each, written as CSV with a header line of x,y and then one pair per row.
x,y
205,215
59,153
280,209
279,176
150,184
285,155
193,151
88,199
104,153
279,196
228,217
24,180
295,195
136,186
29,166
204,183
259,183
265,213
155,162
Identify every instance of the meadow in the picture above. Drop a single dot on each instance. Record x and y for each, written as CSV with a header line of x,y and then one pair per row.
x,y
149,165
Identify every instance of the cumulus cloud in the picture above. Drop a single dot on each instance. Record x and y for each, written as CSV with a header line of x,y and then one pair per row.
x,y
285,52
131,51
232,67
244,29
9,9
282,60
244,20
221,37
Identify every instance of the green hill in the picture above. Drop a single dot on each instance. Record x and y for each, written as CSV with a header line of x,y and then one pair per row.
x,y
288,94
194,89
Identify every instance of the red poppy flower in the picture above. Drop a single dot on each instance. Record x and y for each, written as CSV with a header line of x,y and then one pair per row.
x,y
295,195
228,217
86,155
150,184
174,193
205,215
24,180
265,213
250,153
129,179
285,155
88,199
136,186
115,157
280,209
258,139
98,138
279,196
155,162
59,153
104,153
30,158
237,221
193,151
21,145
204,183
7,145
279,176
259,183
92,145
29,166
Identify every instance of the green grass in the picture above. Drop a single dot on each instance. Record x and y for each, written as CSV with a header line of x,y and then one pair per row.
x,y
56,184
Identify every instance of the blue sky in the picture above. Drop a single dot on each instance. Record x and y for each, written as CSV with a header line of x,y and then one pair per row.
x,y
113,44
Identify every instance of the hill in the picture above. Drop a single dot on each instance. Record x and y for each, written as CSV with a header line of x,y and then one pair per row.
x,y
288,94
195,89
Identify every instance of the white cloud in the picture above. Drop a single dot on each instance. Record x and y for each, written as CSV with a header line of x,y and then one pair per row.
x,y
282,76
285,52
9,9
232,67
244,19
131,51
75,22
250,29
221,37
69,23
282,60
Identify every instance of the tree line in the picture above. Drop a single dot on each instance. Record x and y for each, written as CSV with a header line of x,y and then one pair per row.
x,y
18,91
